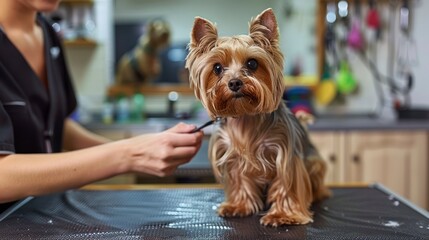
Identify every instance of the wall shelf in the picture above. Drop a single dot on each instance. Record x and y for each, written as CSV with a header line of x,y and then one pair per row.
x,y
310,81
80,43
161,89
77,2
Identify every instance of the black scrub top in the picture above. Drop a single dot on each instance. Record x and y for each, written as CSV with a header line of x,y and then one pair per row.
x,y
30,115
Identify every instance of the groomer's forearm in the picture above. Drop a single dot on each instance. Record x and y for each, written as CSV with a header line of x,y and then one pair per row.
x,y
24,175
77,137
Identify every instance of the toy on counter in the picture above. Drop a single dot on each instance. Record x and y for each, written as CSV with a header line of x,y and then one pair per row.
x,y
326,90
298,99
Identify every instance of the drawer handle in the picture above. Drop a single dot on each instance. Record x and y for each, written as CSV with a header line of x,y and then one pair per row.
x,y
356,158
332,158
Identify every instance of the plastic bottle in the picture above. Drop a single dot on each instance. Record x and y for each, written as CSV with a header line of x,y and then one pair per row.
x,y
122,109
108,111
138,107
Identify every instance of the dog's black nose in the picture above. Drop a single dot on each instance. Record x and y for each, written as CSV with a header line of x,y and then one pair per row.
x,y
235,84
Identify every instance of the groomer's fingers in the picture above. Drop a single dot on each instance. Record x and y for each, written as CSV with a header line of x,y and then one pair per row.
x,y
186,139
184,154
182,128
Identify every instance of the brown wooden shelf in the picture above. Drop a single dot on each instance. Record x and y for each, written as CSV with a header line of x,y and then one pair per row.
x,y
310,81
161,89
77,2
80,43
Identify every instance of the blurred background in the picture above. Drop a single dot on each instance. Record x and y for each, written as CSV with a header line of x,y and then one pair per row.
x,y
359,66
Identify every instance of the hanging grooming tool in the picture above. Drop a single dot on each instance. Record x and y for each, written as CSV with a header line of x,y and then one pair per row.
x,y
407,52
373,23
331,37
404,17
354,38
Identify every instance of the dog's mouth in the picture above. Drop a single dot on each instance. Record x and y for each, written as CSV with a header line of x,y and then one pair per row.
x,y
228,103
250,98
238,95
235,105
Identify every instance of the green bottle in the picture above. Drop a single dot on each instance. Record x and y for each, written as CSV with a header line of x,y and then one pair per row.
x,y
138,107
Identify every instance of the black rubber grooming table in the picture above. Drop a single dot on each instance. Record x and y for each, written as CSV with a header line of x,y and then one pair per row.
x,y
189,213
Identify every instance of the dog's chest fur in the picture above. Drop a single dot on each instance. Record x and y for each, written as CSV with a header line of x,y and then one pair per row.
x,y
254,144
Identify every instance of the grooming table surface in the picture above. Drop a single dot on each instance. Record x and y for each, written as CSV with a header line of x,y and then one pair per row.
x,y
190,213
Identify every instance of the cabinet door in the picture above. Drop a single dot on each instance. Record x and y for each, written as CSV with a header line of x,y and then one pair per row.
x,y
396,159
330,146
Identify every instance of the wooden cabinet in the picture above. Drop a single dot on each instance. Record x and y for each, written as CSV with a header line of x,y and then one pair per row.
x,y
396,159
330,146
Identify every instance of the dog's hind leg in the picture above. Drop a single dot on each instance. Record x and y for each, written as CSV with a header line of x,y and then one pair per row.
x,y
316,169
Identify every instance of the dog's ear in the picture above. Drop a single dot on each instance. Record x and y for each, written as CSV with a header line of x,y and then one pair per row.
x,y
203,33
265,24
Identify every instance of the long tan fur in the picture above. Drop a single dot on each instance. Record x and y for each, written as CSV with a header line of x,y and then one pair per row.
x,y
261,148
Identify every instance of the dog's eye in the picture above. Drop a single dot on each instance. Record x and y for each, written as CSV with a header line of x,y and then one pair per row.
x,y
217,69
252,64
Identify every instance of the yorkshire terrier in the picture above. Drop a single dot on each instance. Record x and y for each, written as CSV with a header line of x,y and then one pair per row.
x,y
141,65
261,153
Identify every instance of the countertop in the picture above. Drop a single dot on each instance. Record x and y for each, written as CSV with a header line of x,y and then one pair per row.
x,y
321,124
346,124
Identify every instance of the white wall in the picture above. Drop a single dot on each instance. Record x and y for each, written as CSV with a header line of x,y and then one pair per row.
x,y
232,17
421,71
91,67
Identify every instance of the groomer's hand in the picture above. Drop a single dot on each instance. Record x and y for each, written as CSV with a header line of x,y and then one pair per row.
x,y
161,153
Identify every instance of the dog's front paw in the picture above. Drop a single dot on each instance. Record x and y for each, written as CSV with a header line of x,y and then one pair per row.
x,y
278,219
234,210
